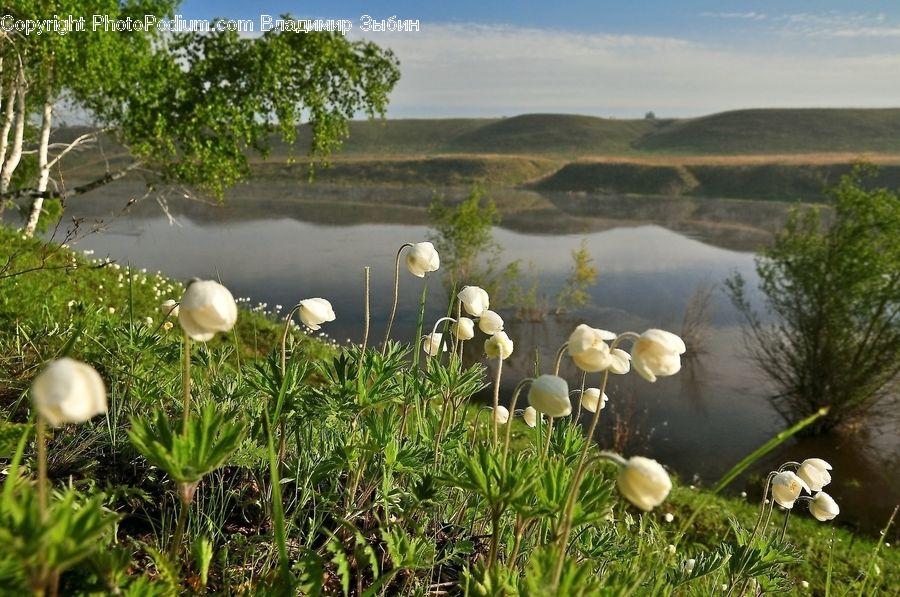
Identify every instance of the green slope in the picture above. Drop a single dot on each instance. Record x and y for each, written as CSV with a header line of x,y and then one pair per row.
x,y
554,133
779,131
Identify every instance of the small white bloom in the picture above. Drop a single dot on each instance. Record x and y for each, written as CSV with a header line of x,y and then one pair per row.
x,y
657,353
549,394
148,321
531,416
501,415
71,303
804,584
314,312
669,517
689,565
68,391
490,322
432,344
815,472
206,307
743,494
644,482
588,349
823,507
111,310
786,488
591,400
671,549
475,300
498,346
620,361
422,258
464,328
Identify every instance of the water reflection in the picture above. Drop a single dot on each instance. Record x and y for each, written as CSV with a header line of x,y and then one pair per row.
x,y
280,243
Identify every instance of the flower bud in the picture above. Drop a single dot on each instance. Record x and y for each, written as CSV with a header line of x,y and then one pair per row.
x,y
591,400
815,472
490,323
530,416
644,482
432,344
422,258
169,308
314,312
498,346
657,353
823,507
786,488
620,361
475,300
588,349
68,391
501,415
549,394
207,307
464,329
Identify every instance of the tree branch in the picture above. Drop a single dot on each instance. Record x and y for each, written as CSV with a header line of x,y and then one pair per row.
x,y
33,193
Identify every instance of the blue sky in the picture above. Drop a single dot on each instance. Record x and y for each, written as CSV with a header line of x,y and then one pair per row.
x,y
621,59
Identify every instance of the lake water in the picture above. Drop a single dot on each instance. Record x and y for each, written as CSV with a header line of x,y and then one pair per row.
x,y
277,244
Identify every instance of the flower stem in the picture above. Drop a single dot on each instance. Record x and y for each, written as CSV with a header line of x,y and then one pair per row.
x,y
581,395
186,384
43,484
512,410
179,528
546,449
387,333
576,484
495,432
284,335
559,356
366,313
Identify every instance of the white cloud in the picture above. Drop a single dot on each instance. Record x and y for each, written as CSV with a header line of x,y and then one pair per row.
x,y
753,16
494,70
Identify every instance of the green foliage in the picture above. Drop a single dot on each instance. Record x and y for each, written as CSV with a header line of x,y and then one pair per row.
x,y
583,275
210,439
832,285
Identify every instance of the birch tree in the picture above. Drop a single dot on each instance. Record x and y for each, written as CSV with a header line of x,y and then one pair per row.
x,y
189,108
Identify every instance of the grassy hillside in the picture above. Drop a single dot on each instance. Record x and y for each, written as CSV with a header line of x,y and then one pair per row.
x,y
779,131
719,179
554,133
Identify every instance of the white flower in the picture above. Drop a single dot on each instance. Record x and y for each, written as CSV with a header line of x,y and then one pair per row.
x,y
314,312
498,346
804,584
475,300
432,344
620,361
490,323
549,394
669,517
689,565
588,348
591,399
207,307
148,321
68,391
501,415
422,258
169,308
657,353
644,482
671,549
530,416
815,472
464,328
786,488
823,507
112,310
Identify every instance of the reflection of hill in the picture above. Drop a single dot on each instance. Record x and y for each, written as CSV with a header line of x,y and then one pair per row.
x,y
730,224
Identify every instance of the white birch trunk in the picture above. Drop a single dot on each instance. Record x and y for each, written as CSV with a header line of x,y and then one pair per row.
x,y
12,162
44,167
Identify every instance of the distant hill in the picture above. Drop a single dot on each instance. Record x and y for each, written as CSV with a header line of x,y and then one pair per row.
x,y
778,131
